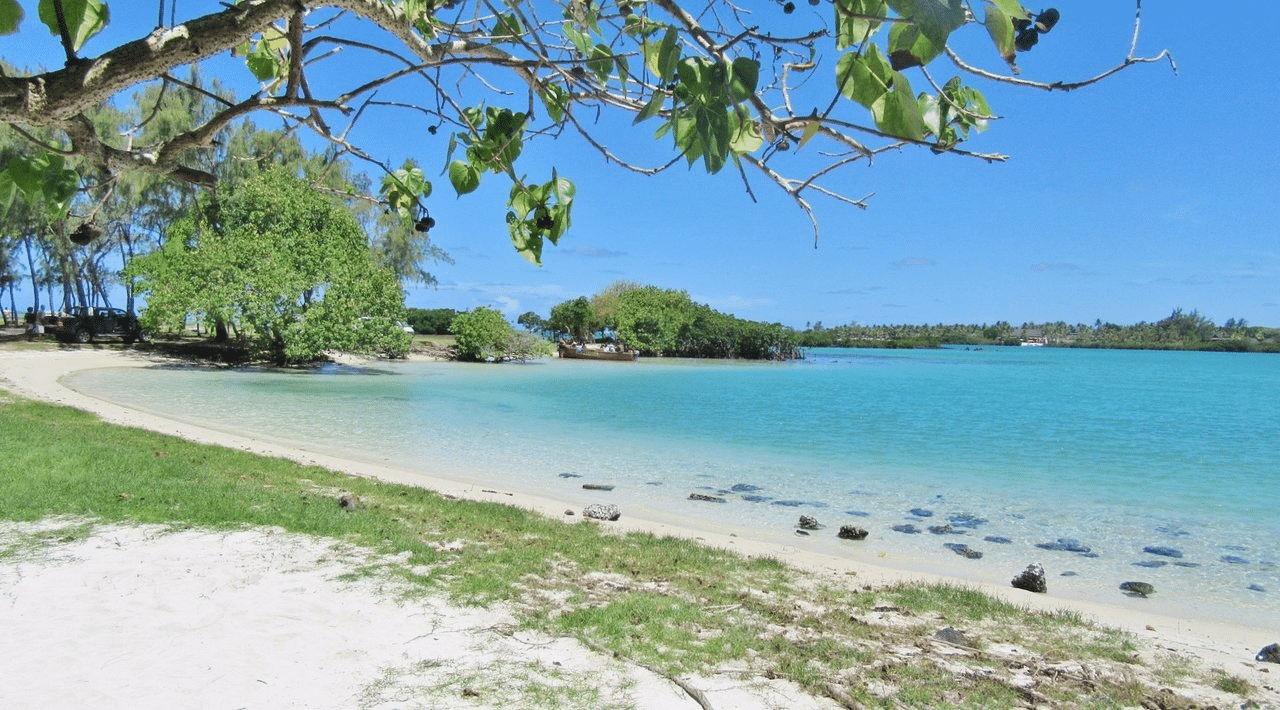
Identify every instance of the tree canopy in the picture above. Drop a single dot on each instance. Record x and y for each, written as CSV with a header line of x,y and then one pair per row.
x,y
284,262
781,98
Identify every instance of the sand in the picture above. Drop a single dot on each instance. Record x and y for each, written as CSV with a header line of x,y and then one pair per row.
x,y
143,617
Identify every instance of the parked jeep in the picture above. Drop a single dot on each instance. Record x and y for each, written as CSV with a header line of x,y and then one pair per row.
x,y
83,324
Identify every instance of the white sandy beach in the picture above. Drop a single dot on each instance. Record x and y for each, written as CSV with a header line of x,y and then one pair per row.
x,y
140,617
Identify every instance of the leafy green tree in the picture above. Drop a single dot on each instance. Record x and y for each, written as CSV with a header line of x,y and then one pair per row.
x,y
484,335
652,319
718,90
431,321
277,257
533,323
573,318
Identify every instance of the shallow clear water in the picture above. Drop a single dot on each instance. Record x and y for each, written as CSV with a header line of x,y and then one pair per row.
x,y
1118,450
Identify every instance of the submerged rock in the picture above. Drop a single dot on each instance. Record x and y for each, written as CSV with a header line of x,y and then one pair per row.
x,y
1234,560
757,499
1269,654
598,486
706,498
922,513
858,513
966,520
602,511
1162,550
906,528
852,532
566,474
963,550
945,530
1152,564
997,539
808,522
1032,579
1138,589
1069,573
1065,544
789,503
1256,588
1186,564
744,488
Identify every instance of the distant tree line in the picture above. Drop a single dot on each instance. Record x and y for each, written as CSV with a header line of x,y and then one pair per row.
x,y
1182,330
663,323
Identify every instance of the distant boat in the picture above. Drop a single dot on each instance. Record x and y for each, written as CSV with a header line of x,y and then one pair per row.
x,y
596,352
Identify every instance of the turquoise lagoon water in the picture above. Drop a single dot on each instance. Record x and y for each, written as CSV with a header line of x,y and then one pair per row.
x,y
1115,450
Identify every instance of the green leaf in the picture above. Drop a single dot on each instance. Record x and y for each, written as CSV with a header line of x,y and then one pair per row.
x,y
743,76
897,112
579,40
650,109
663,57
601,62
555,99
744,137
464,176
810,130
1011,8
1000,26
864,78
85,18
851,28
10,16
933,22
264,64
507,28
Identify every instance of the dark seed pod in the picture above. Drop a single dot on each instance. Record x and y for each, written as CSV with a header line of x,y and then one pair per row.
x,y
789,8
1020,23
814,2
424,225
1026,40
1047,19
85,233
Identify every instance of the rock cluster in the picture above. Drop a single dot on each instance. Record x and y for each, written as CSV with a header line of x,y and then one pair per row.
x,y
1269,654
1032,579
1138,589
602,511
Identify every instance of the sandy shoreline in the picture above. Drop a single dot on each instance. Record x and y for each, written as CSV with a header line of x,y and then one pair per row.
x,y
37,374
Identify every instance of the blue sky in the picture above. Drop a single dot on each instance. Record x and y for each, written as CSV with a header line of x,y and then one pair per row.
x,y
1120,202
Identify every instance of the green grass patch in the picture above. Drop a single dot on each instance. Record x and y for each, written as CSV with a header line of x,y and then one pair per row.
x,y
669,603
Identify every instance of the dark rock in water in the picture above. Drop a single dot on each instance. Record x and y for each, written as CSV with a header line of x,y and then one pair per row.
x,y
1153,564
654,483
858,513
1162,550
997,539
802,532
1186,564
953,637
566,474
1172,531
602,511
1032,579
963,550
1138,589
598,486
789,503
945,530
966,520
1069,573
922,513
1269,654
808,522
1065,544
1256,588
757,499
348,501
906,528
744,488
1237,548
705,497
1234,560
852,532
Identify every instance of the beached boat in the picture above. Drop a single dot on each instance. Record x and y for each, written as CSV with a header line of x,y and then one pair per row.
x,y
596,352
